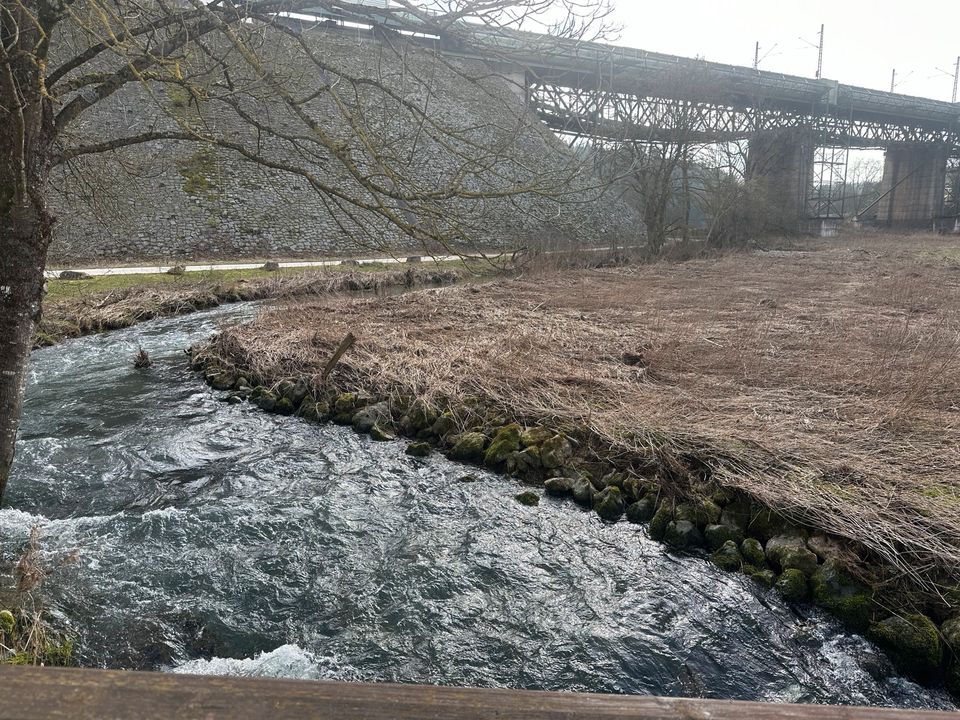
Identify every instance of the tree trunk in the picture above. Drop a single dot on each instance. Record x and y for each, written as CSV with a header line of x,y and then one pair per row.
x,y
24,238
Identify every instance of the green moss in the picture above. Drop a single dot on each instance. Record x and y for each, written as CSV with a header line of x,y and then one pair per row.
x,y
661,518
528,498
535,436
608,504
792,586
198,171
701,513
752,552
7,622
727,557
469,447
505,442
767,578
912,641
719,535
419,449
837,593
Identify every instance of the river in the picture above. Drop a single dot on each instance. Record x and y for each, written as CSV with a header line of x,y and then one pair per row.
x,y
214,538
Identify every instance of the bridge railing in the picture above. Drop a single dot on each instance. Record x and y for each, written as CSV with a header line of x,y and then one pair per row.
x,y
35,693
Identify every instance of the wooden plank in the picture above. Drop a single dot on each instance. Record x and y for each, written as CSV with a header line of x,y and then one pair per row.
x,y
62,694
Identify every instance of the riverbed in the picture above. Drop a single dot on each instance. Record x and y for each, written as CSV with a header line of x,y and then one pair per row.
x,y
191,535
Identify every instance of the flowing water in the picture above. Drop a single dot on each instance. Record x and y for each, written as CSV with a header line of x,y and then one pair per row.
x,y
214,538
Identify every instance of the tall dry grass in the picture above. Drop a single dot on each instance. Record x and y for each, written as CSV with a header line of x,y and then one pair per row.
x,y
824,382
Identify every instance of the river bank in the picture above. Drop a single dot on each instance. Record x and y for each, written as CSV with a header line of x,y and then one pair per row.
x,y
75,308
754,406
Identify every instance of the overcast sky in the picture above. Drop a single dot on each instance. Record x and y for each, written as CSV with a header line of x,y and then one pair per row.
x,y
864,41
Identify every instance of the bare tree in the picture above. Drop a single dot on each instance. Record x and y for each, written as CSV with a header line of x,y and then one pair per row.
x,y
348,133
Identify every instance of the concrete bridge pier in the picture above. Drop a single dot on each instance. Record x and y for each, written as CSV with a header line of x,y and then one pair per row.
x,y
779,172
912,191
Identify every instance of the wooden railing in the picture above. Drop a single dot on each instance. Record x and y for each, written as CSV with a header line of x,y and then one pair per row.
x,y
60,694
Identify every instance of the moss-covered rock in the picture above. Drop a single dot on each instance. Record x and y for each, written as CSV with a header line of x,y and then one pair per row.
x,y
555,452
752,552
316,410
535,436
719,535
582,490
912,641
682,535
661,518
528,498
767,578
381,434
780,545
613,479
801,559
559,487
265,400
420,416
505,443
700,512
839,594
764,523
608,504
445,425
222,381
344,408
296,392
736,513
469,447
950,631
642,510
7,622
283,406
365,418
419,449
524,462
792,586
727,557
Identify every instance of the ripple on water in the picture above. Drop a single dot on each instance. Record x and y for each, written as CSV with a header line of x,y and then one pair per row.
x,y
216,539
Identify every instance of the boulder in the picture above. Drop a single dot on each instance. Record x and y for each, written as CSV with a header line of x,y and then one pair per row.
x,y
613,479
839,594
792,586
642,510
504,443
420,416
271,266
414,259
912,641
265,399
682,534
719,535
528,498
823,546
799,559
661,518
344,408
582,491
699,512
555,452
469,447
365,418
296,391
177,270
767,578
283,406
608,504
535,436
223,381
444,425
950,631
736,513
524,462
727,557
778,546
419,449
752,552
381,434
7,622
73,275
559,486
313,409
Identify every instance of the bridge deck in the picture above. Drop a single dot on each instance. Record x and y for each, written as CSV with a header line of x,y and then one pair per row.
x,y
62,694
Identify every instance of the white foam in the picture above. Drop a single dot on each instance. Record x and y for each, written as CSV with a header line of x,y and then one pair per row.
x,y
287,661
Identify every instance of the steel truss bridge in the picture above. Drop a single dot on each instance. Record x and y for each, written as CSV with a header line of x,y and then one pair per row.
x,y
612,94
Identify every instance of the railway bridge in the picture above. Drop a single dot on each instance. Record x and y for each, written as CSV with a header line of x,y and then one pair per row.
x,y
799,131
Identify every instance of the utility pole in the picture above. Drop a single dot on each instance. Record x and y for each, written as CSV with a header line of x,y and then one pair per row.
x,y
893,80
956,78
756,61
820,58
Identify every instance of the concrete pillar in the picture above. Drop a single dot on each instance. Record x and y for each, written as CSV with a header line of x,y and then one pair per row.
x,y
913,185
779,172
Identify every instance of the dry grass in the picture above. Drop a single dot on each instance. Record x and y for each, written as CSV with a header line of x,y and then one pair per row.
x,y
822,381
83,314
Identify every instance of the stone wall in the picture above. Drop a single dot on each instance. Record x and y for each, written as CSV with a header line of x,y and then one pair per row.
x,y
184,200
